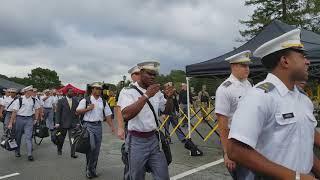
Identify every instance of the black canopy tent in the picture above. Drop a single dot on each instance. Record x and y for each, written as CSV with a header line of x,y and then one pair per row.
x,y
219,67
5,84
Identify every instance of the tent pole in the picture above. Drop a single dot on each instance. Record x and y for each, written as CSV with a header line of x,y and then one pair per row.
x,y
188,105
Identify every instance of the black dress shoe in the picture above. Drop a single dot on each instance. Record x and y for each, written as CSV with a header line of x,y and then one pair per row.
x,y
59,152
18,154
30,158
89,175
95,175
74,156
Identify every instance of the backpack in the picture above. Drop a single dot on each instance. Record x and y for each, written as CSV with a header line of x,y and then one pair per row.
x,y
20,102
88,101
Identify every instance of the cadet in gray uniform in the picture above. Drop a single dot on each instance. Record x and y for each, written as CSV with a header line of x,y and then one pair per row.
x,y
142,144
22,118
228,94
272,131
48,103
8,107
94,114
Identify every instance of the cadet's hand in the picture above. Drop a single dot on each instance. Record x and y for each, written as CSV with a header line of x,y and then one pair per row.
x,y
229,164
57,125
169,91
9,126
1,115
90,107
152,90
307,177
121,133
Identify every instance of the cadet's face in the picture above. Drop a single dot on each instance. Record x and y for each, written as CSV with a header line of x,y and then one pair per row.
x,y
135,77
28,93
242,71
96,91
148,77
298,66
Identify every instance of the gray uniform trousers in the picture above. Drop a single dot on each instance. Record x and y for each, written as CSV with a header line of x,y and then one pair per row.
x,y
24,125
7,119
142,152
95,131
48,116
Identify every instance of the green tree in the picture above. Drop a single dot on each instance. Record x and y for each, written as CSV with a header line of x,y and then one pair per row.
x,y
302,13
44,78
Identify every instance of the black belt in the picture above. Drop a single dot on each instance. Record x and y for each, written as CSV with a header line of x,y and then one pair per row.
x,y
24,116
47,108
94,122
142,134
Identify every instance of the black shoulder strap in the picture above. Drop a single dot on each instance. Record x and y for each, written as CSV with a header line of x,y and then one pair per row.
x,y
88,101
104,106
20,102
11,102
149,103
34,102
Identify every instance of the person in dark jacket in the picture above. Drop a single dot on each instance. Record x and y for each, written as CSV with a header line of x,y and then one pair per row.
x,y
67,118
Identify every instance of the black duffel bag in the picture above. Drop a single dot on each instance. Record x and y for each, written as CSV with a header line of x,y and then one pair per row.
x,y
57,137
41,130
8,141
80,140
165,146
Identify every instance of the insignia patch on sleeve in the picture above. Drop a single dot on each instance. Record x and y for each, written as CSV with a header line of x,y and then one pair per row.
x,y
227,84
267,87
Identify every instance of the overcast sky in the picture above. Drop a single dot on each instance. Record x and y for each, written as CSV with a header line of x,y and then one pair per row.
x,y
99,40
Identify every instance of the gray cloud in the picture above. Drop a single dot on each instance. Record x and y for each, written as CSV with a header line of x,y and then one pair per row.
x,y
99,40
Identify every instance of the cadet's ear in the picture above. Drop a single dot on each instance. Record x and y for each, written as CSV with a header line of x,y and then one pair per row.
x,y
284,62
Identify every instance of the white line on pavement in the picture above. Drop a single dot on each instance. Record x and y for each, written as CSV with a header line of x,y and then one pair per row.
x,y
9,175
200,168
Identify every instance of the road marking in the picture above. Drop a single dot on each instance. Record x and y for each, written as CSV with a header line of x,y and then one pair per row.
x,y
9,175
200,168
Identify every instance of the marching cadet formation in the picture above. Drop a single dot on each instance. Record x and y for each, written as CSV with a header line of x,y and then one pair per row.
x,y
267,131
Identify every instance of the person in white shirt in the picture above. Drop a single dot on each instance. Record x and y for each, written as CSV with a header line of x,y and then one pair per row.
x,y
142,144
135,76
35,95
48,105
95,110
22,118
272,131
228,94
8,105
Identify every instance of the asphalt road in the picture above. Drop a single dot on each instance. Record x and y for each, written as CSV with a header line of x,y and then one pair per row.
x,y
49,166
